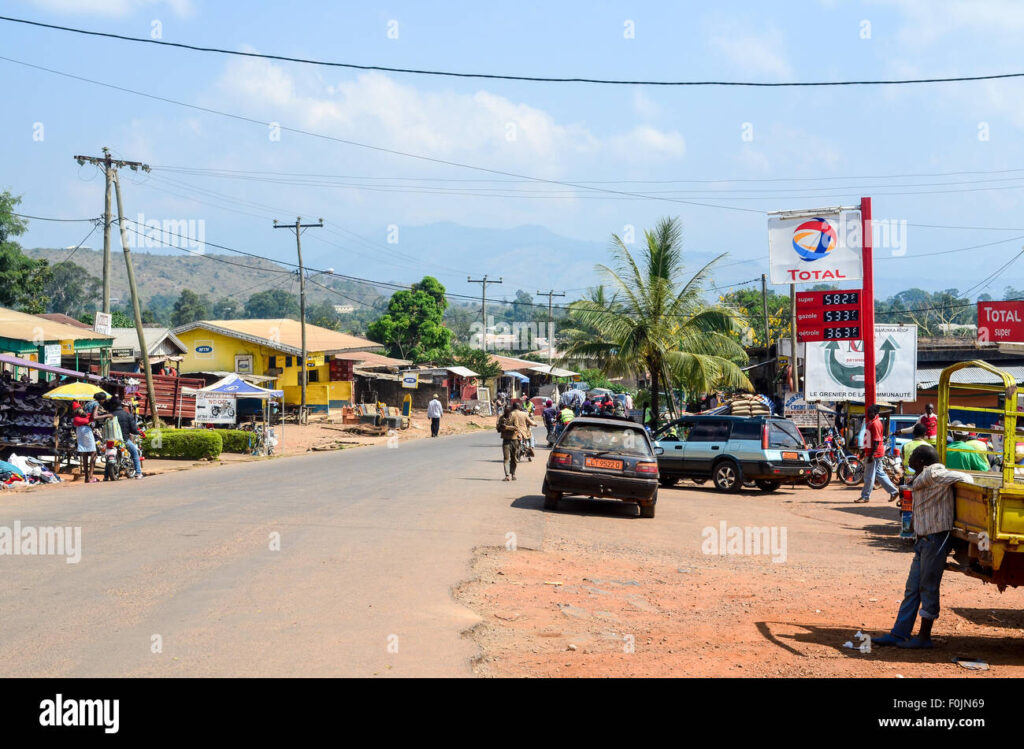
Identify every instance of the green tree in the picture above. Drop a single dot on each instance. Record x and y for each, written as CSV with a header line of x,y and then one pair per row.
x,y
747,304
272,304
323,314
190,307
227,308
119,318
412,327
71,290
23,281
662,327
579,329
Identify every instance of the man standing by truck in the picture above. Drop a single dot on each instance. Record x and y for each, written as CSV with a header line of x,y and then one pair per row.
x,y
933,520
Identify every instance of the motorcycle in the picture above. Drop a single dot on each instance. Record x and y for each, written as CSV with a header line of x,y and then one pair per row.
x,y
846,467
118,460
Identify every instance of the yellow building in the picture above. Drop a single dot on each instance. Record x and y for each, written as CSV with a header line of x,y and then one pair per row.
x,y
273,348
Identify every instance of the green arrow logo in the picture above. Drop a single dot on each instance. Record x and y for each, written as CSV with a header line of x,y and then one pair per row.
x,y
852,376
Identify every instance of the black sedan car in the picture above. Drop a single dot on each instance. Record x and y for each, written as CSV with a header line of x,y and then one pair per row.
x,y
603,457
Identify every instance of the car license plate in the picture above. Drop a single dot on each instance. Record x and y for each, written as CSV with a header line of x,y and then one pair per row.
x,y
791,456
603,463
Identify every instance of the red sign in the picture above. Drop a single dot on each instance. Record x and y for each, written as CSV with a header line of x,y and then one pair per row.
x,y
828,315
1000,322
341,370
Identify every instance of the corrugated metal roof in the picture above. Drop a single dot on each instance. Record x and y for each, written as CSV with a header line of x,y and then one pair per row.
x,y
929,377
24,327
283,335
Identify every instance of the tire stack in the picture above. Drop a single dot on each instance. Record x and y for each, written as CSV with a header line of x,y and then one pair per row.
x,y
748,405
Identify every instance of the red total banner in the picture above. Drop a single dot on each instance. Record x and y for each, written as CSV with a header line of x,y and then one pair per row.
x,y
1001,322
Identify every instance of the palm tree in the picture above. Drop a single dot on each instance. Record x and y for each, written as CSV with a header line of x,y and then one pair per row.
x,y
579,331
657,323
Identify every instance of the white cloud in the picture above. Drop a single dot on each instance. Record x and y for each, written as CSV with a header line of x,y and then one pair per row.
x,y
113,8
754,52
482,128
928,21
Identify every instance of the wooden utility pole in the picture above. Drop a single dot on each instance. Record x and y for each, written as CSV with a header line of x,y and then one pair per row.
x,y
764,310
551,323
483,310
110,166
792,339
136,308
298,226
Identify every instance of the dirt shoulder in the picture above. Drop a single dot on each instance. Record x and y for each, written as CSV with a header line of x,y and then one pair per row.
x,y
610,594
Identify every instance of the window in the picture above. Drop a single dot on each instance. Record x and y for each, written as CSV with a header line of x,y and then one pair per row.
x,y
287,361
748,429
784,434
710,431
626,441
313,375
676,432
272,362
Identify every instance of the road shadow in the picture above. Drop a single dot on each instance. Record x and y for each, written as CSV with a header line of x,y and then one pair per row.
x,y
885,511
583,506
996,651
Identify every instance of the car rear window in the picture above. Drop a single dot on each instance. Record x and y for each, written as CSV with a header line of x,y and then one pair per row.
x,y
784,434
603,437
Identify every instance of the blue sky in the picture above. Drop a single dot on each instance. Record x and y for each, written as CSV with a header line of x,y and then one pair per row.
x,y
827,140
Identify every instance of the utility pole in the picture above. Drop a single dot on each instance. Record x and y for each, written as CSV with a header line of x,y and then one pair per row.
x,y
109,168
551,323
483,310
136,308
792,320
298,226
764,310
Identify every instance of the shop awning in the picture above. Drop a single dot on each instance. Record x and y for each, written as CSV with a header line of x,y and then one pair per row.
x,y
518,375
463,371
236,386
553,371
19,362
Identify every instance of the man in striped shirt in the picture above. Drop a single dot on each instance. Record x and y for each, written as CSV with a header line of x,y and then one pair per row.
x,y
933,520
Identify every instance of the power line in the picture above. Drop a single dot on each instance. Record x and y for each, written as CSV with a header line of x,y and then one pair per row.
x,y
495,76
47,218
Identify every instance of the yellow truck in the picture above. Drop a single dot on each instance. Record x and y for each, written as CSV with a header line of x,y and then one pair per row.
x,y
988,525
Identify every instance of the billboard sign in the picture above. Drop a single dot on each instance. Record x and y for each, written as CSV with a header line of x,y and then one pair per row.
x,y
1000,322
835,369
820,248
215,408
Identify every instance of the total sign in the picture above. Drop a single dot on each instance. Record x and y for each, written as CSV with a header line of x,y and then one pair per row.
x,y
1000,322
814,249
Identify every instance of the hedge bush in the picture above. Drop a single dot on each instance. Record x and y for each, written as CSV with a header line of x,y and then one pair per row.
x,y
235,440
185,444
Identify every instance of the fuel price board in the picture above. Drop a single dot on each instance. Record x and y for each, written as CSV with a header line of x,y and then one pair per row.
x,y
828,315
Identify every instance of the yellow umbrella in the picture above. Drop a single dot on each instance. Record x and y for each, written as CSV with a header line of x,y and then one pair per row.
x,y
75,391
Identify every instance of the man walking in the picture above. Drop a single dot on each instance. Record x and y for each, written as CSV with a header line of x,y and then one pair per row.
x,y
874,451
933,520
434,412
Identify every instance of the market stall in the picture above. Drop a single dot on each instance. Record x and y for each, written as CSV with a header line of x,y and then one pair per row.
x,y
219,404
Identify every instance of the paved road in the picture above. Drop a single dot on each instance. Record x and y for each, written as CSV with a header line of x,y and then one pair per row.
x,y
372,540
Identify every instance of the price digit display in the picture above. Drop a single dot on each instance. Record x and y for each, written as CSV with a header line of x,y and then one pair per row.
x,y
841,315
840,297
843,333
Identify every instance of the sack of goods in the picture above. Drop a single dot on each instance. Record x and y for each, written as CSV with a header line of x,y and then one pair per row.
x,y
748,405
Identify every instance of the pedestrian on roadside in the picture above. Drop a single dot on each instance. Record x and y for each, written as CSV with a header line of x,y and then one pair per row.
x,y
874,451
509,432
434,411
920,433
931,423
82,422
933,521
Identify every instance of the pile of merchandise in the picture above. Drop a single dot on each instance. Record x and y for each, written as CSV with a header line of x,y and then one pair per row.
x,y
25,471
26,418
748,405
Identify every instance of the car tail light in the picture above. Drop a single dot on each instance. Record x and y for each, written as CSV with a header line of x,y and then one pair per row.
x,y
764,436
560,459
110,444
646,467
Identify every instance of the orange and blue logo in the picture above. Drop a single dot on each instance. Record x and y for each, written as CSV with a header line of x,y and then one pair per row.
x,y
814,239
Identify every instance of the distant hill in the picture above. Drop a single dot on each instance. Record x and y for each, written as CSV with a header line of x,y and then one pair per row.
x,y
169,274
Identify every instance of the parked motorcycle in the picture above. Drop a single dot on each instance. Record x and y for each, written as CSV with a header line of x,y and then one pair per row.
x,y
117,461
846,467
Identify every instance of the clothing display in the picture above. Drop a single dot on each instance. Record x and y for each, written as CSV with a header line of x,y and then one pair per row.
x,y
26,418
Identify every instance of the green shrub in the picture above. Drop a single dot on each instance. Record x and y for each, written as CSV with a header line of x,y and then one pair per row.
x,y
235,440
185,444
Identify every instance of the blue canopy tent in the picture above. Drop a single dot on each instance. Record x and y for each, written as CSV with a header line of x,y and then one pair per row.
x,y
515,376
233,385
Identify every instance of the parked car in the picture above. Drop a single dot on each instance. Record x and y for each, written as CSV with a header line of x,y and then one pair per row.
x,y
730,450
604,458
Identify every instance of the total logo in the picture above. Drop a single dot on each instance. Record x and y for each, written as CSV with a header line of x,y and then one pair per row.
x,y
814,239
